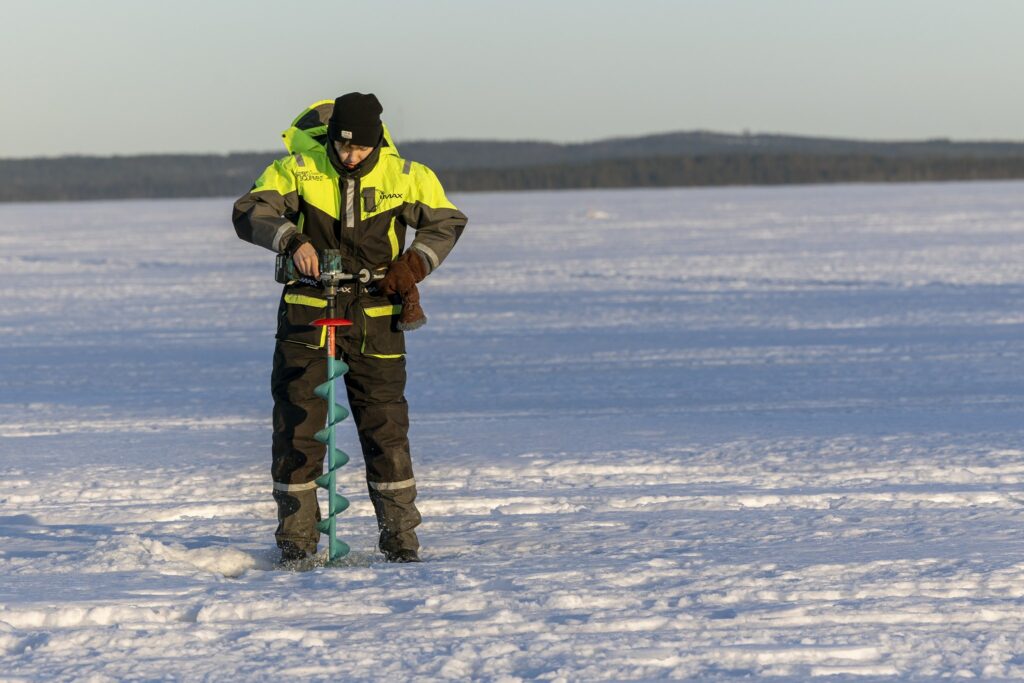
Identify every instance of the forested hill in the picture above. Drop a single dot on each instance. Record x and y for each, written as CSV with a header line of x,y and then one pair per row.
x,y
672,159
463,154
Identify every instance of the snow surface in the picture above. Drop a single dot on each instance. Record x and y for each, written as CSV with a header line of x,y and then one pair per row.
x,y
659,434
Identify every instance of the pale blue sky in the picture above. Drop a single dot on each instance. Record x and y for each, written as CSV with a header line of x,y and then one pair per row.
x,y
124,77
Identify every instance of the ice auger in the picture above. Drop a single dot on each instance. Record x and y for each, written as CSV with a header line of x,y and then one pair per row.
x,y
336,458
331,276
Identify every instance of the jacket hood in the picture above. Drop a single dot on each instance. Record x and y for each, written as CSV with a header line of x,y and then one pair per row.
x,y
308,132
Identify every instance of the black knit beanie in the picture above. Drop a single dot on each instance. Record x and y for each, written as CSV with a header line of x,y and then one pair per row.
x,y
356,119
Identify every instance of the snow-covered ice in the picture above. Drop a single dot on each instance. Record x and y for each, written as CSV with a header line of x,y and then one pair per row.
x,y
659,434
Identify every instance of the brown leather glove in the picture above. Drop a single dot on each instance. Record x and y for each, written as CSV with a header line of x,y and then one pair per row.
x,y
403,274
401,278
412,316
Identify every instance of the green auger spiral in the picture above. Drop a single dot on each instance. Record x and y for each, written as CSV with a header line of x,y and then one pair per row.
x,y
336,458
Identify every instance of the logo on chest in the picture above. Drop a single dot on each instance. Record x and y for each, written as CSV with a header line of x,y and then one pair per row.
x,y
309,176
374,198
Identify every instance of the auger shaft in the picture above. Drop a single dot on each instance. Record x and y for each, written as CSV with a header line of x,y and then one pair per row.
x,y
335,550
336,458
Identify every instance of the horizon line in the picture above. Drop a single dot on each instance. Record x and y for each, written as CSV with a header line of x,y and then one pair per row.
x,y
533,141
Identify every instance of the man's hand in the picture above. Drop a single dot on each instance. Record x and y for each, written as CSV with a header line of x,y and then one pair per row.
x,y
401,279
306,260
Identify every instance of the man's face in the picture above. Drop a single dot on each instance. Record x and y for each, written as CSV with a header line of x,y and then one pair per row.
x,y
351,155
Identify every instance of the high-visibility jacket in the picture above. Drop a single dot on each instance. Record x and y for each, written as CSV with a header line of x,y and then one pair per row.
x,y
364,213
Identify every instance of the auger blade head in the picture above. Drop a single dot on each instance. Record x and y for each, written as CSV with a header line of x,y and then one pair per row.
x,y
340,503
340,368
340,458
324,480
324,525
340,551
323,435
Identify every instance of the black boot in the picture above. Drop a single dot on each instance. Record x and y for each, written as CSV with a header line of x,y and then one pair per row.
x,y
295,558
397,518
291,552
402,556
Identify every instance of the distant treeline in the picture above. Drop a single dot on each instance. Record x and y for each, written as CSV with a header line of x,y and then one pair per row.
x,y
675,159
130,177
735,169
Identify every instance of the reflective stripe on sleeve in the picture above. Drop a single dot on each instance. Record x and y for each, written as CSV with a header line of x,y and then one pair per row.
x,y
285,229
431,255
391,485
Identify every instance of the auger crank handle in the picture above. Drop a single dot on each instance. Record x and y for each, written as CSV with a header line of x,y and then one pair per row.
x,y
330,272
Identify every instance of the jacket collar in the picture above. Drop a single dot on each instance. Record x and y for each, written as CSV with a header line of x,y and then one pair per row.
x,y
359,171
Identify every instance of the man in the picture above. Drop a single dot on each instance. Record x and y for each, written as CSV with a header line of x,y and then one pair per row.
x,y
345,187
